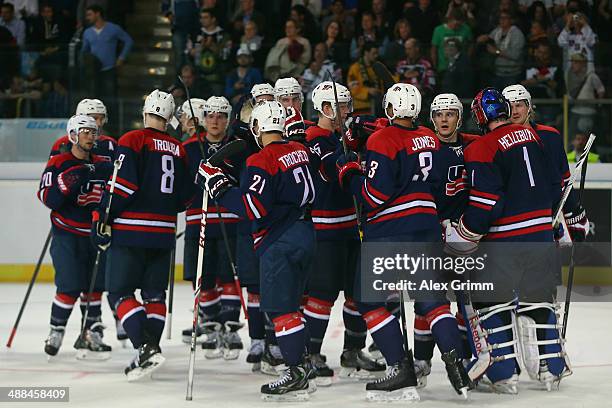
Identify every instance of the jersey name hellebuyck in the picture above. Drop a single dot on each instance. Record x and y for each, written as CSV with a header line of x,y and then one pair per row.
x,y
516,137
294,158
166,146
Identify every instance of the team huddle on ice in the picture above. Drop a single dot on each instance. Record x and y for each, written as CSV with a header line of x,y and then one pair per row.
x,y
294,208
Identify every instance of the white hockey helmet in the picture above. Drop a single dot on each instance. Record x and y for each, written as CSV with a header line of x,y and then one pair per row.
x,y
270,117
261,89
324,92
405,101
198,109
515,93
446,101
218,104
92,106
288,86
78,122
159,103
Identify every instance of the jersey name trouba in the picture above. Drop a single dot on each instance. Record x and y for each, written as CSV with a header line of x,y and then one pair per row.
x,y
516,137
166,146
294,158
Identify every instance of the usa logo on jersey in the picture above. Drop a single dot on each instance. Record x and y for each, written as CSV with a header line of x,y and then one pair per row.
x,y
456,180
91,193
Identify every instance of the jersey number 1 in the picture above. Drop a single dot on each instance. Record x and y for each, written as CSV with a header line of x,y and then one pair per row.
x,y
528,164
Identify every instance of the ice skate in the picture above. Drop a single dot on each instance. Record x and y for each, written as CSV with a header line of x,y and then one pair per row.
x,y
324,374
149,359
272,362
292,385
356,364
507,386
186,334
122,336
457,375
255,352
211,340
230,340
90,345
375,353
399,384
422,369
54,341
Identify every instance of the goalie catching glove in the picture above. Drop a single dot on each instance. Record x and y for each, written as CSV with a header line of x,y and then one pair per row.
x,y
460,241
212,179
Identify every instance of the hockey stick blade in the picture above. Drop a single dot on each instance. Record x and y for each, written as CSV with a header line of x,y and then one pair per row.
x,y
383,73
228,150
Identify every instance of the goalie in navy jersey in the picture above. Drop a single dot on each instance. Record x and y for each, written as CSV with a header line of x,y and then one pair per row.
x,y
275,193
71,186
104,145
446,115
338,244
220,310
153,185
512,190
398,189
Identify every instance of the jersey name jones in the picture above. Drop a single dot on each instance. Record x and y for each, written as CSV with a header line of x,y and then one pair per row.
x,y
423,142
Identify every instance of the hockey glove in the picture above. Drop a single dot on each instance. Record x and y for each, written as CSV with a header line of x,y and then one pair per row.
x,y
295,129
100,234
360,128
70,180
577,224
348,166
103,170
212,179
460,241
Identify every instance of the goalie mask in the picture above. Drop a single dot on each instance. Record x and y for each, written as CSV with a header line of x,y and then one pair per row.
x,y
267,116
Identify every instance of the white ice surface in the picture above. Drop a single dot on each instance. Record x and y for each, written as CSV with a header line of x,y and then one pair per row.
x,y
231,384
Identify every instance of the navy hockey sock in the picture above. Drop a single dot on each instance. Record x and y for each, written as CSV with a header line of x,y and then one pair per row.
x,y
355,329
133,318
230,304
385,331
424,343
289,329
317,312
443,326
256,317
467,351
393,305
209,304
269,328
61,308
95,308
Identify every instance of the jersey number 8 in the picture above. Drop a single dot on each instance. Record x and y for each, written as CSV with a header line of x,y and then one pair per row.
x,y
167,178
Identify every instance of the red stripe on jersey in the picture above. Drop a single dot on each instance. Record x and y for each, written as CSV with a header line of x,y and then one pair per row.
x,y
375,317
339,225
318,306
333,213
250,214
522,217
229,289
365,194
258,205
121,193
66,299
518,232
72,230
420,323
376,193
147,216
71,223
481,206
350,304
126,183
143,228
404,213
287,322
95,296
156,308
438,311
484,195
126,306
209,295
401,200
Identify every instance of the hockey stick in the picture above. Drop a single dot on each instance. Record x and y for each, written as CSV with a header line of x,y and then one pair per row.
x,y
229,149
30,286
170,294
94,273
383,74
572,265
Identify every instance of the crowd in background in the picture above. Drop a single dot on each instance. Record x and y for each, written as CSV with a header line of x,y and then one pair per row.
x,y
553,47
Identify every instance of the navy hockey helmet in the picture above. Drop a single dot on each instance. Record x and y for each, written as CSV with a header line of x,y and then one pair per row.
x,y
489,104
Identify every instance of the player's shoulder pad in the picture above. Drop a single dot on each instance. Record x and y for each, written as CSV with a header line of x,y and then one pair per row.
x,y
107,138
544,128
194,139
315,131
134,139
468,138
59,142
261,159
309,123
58,160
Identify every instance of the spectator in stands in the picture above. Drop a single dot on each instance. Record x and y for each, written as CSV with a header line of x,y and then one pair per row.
x,y
183,14
544,79
538,12
492,17
459,75
506,43
383,20
15,25
423,18
210,51
25,8
246,12
467,7
290,55
577,37
394,50
101,40
193,84
50,38
525,6
306,23
368,34
537,36
582,84
252,41
337,48
578,144
454,28
344,18
314,6
317,71
416,69
365,86
240,81
55,103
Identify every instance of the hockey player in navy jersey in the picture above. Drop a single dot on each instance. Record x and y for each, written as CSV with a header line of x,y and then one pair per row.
x,y
153,185
105,145
220,310
288,92
338,244
446,115
529,316
398,189
275,192
511,195
71,185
